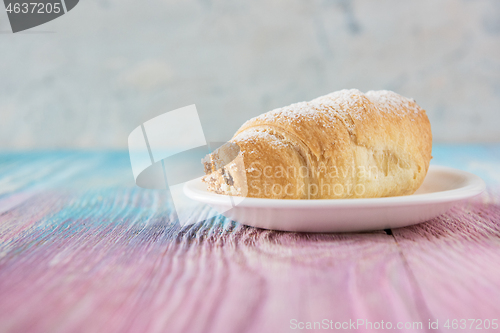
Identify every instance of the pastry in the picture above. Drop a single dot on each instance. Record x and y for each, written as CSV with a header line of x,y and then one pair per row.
x,y
342,145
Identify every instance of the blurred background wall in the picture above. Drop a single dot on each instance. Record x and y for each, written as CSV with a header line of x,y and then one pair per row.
x,y
87,79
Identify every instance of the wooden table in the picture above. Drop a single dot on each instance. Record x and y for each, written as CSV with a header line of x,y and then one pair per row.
x,y
84,250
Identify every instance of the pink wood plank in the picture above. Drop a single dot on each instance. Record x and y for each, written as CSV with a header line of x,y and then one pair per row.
x,y
92,253
80,272
455,260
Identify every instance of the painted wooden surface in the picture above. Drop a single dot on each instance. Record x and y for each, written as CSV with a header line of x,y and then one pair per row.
x,y
83,250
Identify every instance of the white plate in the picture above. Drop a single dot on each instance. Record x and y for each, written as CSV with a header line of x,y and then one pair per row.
x,y
442,188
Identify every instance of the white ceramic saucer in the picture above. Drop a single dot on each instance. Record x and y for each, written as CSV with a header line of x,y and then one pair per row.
x,y
442,188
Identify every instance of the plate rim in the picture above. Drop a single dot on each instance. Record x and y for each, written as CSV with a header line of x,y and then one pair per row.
x,y
474,186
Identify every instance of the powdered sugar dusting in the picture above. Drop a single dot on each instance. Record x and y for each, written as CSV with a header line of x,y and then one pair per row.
x,y
390,102
298,113
348,105
252,135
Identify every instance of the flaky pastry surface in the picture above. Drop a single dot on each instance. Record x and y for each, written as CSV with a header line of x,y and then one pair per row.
x,y
346,144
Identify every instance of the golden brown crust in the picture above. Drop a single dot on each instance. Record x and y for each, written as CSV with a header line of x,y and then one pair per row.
x,y
343,145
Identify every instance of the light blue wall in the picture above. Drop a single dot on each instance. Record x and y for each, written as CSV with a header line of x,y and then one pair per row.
x,y
88,78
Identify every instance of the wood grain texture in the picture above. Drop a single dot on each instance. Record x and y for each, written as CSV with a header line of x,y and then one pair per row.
x,y
83,250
